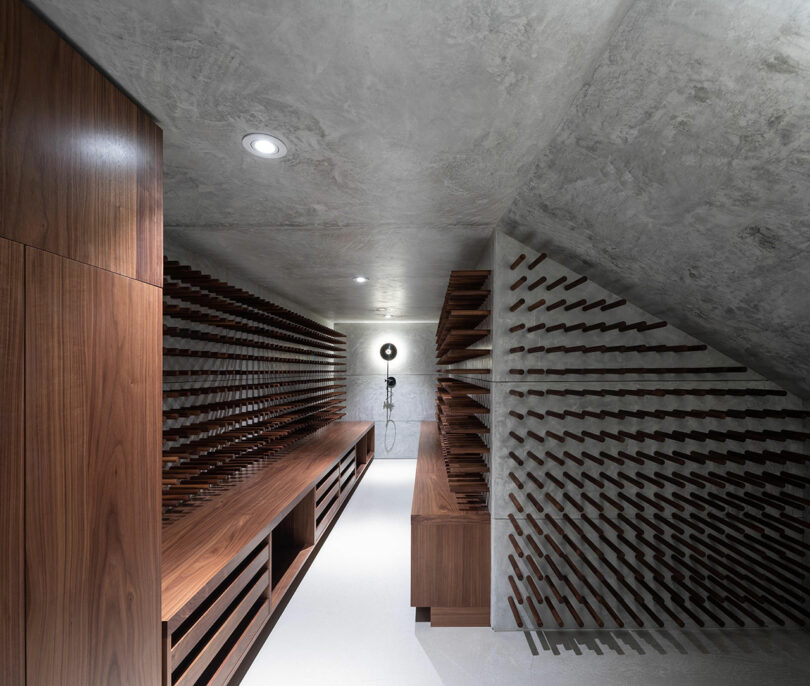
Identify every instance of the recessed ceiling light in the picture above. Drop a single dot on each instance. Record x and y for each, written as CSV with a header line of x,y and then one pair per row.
x,y
389,316
264,145
360,279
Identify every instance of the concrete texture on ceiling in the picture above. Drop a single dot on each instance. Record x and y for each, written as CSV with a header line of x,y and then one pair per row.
x,y
408,269
679,177
660,147
409,122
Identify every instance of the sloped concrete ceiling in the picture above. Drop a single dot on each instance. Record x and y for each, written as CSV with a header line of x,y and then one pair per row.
x,y
660,146
411,125
680,177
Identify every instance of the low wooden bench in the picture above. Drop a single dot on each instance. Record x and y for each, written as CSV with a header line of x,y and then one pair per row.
x,y
450,547
229,563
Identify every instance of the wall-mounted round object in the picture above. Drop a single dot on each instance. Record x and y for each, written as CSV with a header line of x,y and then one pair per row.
x,y
388,351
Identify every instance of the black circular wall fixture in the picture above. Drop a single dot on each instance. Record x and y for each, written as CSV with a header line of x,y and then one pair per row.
x,y
388,351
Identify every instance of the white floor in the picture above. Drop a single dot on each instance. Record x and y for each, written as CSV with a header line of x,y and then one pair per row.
x,y
350,623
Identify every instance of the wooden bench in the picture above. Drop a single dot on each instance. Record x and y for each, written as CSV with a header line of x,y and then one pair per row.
x,y
450,547
229,563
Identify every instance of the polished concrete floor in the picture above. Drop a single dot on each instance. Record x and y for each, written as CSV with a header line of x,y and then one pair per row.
x,y
350,623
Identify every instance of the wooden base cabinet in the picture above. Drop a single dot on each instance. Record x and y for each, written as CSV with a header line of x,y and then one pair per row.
x,y
450,547
230,565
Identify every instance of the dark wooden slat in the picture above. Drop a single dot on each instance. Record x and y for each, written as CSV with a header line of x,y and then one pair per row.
x,y
12,469
186,643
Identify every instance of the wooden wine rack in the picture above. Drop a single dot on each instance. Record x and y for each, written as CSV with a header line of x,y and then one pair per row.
x,y
649,481
459,410
244,379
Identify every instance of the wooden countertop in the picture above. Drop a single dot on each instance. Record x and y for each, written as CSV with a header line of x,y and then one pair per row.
x,y
199,546
432,497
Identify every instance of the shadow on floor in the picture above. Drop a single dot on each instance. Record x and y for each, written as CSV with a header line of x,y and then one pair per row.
x,y
666,642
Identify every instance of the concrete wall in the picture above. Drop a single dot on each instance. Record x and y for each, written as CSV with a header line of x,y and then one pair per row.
x,y
517,371
415,372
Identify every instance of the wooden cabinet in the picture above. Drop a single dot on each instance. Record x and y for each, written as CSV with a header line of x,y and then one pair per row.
x,y
12,467
81,164
450,545
93,420
80,368
231,564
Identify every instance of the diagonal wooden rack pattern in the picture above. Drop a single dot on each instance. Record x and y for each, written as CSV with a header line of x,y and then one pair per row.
x,y
244,379
633,504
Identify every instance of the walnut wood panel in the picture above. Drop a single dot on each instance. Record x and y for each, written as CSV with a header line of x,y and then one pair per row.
x,y
210,539
93,403
238,647
80,173
450,547
459,616
12,456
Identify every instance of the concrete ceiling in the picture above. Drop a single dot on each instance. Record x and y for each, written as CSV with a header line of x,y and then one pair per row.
x,y
662,147
680,177
411,126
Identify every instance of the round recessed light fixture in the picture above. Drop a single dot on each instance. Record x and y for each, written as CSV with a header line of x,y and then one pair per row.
x,y
360,279
389,316
264,145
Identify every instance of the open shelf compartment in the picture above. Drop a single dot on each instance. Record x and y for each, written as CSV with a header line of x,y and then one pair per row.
x,y
291,543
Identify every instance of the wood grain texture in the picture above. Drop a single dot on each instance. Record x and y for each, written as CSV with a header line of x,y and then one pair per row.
x,y
149,234
450,548
93,439
80,173
218,534
12,456
432,497
459,616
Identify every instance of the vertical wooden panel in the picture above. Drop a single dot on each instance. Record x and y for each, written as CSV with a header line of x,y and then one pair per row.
x,y
149,257
12,569
93,426
74,150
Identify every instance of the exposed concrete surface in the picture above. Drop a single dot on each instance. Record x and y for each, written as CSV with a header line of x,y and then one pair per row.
x,y
569,482
414,396
404,119
679,179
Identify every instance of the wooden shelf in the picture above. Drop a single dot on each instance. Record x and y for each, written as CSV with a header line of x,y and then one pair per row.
x,y
463,432
229,564
454,387
294,566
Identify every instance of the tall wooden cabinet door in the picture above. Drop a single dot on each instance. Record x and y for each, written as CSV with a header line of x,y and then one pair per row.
x,y
93,440
12,453
81,164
